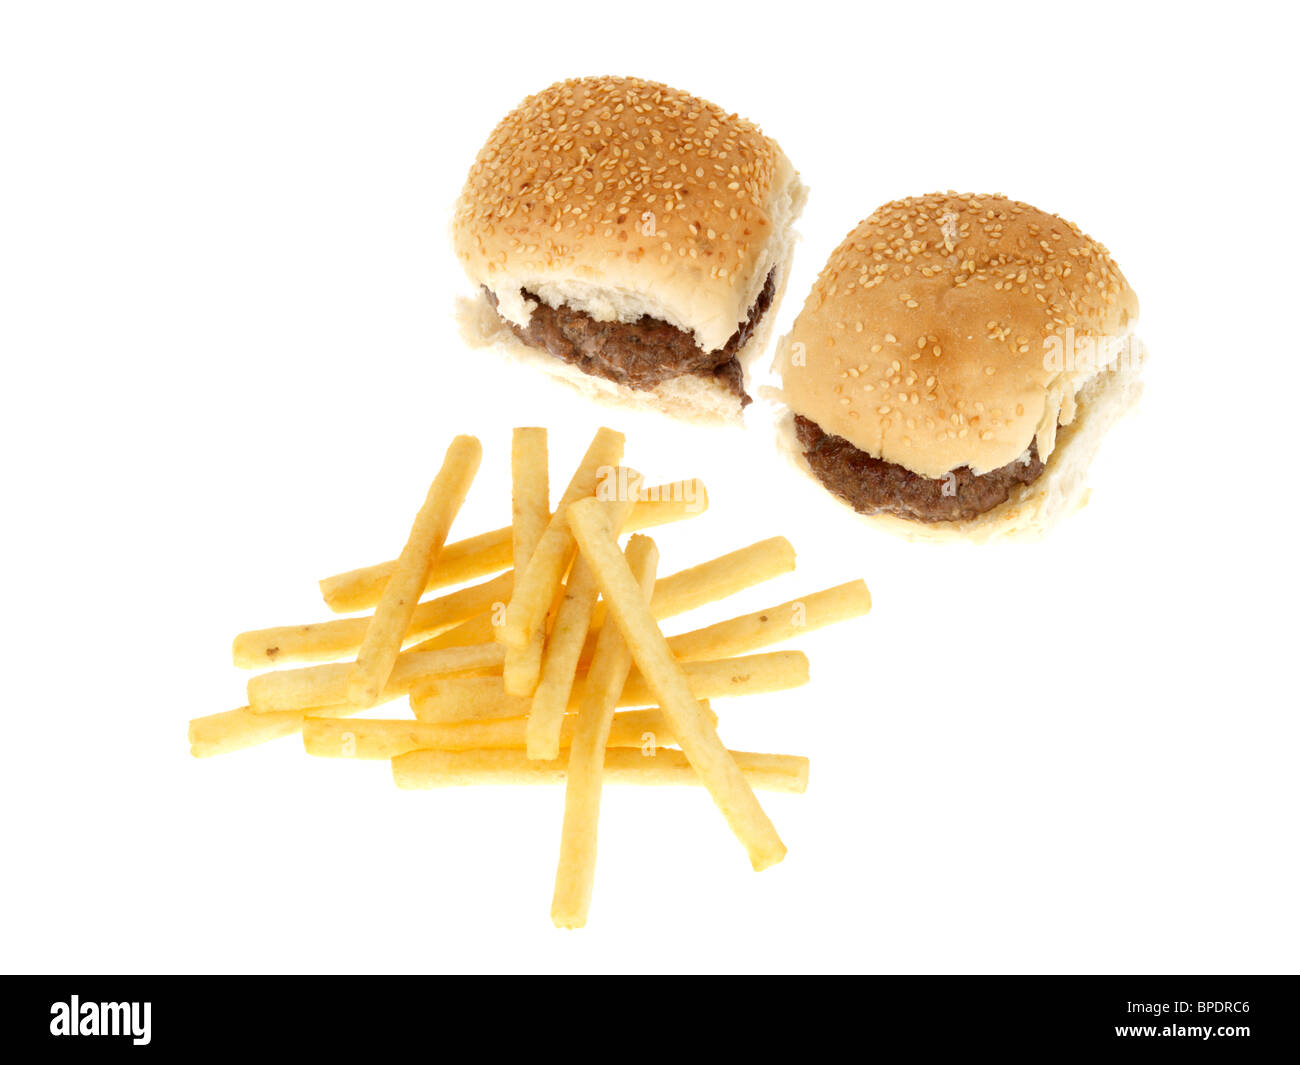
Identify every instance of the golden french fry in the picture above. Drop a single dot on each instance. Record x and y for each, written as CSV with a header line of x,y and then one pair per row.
x,y
325,641
647,729
327,685
463,617
719,677
460,698
530,499
369,737
688,493
564,647
666,678
464,560
392,617
610,665
625,765
481,628
519,679
490,552
722,576
536,587
709,581
550,700
466,699
675,594
530,510
234,730
663,504
773,625
523,665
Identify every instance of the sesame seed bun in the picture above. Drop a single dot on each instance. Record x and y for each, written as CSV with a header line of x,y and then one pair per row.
x,y
952,331
624,198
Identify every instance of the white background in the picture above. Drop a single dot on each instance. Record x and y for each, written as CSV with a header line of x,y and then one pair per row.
x,y
230,369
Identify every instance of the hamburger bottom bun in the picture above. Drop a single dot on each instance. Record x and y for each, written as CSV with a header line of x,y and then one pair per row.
x,y
689,397
1032,509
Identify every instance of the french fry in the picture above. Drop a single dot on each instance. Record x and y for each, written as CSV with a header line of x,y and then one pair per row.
x,y
702,584
773,625
722,576
464,560
234,730
710,581
610,665
535,588
327,685
675,594
564,647
665,676
625,765
460,698
392,617
663,504
530,498
481,628
550,700
552,667
466,699
719,677
326,641
490,552
369,737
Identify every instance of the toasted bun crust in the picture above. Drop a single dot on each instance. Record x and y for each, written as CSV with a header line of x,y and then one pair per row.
x,y
930,339
621,197
1035,508
690,397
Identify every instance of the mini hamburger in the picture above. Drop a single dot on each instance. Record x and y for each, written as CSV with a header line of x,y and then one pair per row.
x,y
630,239
956,365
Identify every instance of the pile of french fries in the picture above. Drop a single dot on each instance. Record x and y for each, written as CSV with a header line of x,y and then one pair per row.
x,y
555,670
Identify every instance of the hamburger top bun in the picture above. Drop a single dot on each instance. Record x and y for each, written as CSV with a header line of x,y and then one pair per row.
x,y
922,341
622,197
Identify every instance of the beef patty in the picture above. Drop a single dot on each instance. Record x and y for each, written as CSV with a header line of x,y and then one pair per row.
x,y
638,354
873,486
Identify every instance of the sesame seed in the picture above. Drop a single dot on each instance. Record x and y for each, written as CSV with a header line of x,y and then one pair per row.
x,y
589,155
